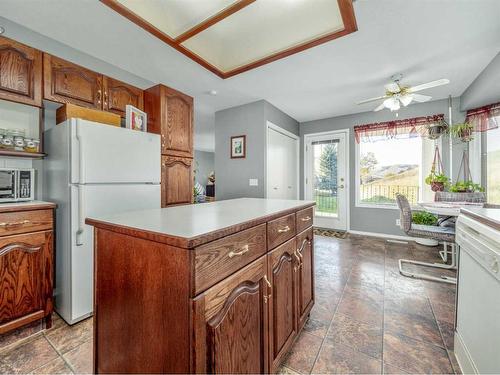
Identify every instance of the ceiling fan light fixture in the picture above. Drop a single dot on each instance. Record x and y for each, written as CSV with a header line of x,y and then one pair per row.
x,y
392,104
406,100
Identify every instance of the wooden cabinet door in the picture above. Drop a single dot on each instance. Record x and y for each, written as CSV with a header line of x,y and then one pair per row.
x,y
26,274
65,82
283,265
118,94
305,251
20,73
177,124
176,181
234,332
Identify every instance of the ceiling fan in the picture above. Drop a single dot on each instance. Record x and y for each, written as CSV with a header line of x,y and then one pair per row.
x,y
397,94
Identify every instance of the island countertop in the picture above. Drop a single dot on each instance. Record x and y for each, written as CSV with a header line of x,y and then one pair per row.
x,y
192,225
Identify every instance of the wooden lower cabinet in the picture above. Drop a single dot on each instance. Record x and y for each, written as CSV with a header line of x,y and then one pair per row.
x,y
176,181
233,332
26,269
305,251
283,266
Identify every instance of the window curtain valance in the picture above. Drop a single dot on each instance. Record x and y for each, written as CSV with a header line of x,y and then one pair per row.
x,y
484,118
417,126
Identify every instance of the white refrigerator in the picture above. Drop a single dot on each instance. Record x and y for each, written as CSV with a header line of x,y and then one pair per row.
x,y
93,169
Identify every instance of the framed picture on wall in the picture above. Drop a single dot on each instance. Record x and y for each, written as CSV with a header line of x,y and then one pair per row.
x,y
136,119
238,146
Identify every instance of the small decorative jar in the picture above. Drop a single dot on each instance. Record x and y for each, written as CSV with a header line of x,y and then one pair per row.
x,y
31,145
8,141
18,139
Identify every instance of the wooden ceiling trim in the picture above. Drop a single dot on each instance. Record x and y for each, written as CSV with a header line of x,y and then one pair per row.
x,y
224,13
346,11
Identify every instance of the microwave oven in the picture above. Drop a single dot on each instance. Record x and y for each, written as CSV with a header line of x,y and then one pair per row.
x,y
17,185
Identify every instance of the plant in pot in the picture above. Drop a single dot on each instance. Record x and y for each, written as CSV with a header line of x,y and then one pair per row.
x,y
466,187
435,130
463,131
424,218
437,181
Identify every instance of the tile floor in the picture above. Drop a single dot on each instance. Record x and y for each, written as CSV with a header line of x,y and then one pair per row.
x,y
367,319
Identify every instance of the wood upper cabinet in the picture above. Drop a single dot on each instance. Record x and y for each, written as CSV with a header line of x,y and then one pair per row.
x,y
232,336
170,115
283,265
20,73
65,82
176,181
118,94
305,251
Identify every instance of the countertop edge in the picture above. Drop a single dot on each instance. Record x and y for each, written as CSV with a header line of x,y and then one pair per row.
x,y
27,206
192,242
495,224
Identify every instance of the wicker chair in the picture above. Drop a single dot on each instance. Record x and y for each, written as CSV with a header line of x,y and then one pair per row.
x,y
446,235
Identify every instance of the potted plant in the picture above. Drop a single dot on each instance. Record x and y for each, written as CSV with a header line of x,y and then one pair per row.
x,y
436,130
437,181
466,187
424,218
463,131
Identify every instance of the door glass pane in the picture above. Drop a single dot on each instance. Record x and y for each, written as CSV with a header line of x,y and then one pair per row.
x,y
325,155
493,165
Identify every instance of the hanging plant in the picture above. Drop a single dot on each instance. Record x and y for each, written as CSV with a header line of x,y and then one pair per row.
x,y
463,131
437,181
435,130
466,187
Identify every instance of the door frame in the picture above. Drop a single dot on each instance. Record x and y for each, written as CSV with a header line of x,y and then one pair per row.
x,y
287,133
347,184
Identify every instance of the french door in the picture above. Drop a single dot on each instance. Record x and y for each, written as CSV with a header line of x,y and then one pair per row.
x,y
326,178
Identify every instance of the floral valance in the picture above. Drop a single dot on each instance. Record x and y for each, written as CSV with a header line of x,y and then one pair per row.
x,y
484,118
412,127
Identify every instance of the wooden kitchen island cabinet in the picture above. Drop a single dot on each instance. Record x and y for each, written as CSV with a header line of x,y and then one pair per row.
x,y
223,287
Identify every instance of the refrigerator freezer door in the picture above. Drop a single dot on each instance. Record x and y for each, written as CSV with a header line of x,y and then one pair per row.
x,y
92,200
107,154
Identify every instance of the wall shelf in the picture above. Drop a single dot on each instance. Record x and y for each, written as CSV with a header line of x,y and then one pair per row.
x,y
22,154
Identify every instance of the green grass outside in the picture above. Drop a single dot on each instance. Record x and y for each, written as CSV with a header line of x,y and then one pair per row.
x,y
326,204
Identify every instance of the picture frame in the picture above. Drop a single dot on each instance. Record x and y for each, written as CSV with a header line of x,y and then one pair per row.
x,y
238,146
135,119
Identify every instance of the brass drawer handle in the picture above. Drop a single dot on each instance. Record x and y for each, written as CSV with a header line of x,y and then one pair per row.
x,y
14,223
284,230
307,218
243,250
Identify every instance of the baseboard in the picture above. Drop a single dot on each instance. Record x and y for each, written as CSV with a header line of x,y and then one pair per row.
x,y
463,356
382,235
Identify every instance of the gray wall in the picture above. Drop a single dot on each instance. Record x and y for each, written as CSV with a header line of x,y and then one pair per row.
x,y
232,175
376,220
485,89
204,165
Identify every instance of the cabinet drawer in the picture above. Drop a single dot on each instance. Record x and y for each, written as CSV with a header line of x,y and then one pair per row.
x,y
280,230
219,259
25,221
304,219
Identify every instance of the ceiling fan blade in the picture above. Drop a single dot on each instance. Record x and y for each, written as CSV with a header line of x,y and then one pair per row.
x,y
372,99
421,98
379,108
428,85
393,87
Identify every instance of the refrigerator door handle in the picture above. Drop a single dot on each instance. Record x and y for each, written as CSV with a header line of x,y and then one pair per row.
x,y
79,231
81,157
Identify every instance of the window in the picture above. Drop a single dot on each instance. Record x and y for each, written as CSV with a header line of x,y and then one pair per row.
x,y
387,166
493,165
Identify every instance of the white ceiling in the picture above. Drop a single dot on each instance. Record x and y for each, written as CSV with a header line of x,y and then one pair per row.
x,y
423,39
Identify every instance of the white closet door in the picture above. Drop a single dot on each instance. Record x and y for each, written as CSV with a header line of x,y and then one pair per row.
x,y
282,165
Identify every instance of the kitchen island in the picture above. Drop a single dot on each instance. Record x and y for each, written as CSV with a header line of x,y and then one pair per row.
x,y
223,287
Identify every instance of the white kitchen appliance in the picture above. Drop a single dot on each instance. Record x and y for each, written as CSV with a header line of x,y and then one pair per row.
x,y
477,335
17,185
93,170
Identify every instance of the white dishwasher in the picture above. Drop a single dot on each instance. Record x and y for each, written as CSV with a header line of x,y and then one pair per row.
x,y
477,335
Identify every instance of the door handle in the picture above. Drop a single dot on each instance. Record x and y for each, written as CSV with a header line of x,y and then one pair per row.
x,y
267,296
79,231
